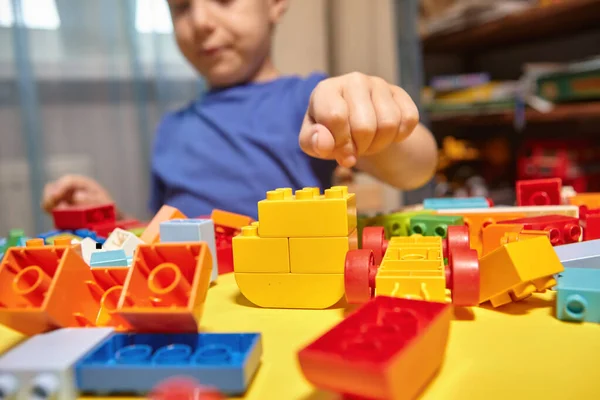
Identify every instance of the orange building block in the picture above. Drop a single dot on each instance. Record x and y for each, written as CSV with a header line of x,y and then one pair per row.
x,y
477,222
106,288
167,213
230,220
590,200
492,236
166,287
44,288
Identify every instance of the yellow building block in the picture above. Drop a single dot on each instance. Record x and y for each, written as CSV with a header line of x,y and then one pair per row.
x,y
517,269
322,255
413,268
292,291
254,254
308,213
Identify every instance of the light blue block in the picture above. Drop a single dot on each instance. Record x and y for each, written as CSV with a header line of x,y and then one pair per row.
x,y
42,367
578,295
455,203
580,254
109,258
137,362
192,230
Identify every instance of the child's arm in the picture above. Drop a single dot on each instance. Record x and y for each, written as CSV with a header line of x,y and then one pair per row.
x,y
365,122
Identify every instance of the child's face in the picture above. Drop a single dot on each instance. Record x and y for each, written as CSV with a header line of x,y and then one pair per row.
x,y
227,41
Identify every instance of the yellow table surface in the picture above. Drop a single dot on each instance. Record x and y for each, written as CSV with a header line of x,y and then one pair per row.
x,y
517,352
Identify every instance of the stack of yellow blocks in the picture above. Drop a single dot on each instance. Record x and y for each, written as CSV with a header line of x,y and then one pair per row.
x,y
294,255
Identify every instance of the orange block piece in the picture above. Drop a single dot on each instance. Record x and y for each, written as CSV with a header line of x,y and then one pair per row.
x,y
478,221
230,220
166,287
106,288
492,236
44,288
167,213
590,200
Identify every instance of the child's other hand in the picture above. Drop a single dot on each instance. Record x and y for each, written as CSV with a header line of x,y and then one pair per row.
x,y
74,190
356,115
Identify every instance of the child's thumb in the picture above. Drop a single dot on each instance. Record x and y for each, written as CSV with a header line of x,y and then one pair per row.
x,y
316,140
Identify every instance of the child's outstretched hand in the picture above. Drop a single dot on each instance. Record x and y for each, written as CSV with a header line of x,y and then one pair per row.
x,y
74,190
356,115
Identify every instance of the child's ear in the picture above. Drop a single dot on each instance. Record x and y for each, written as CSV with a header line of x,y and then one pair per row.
x,y
278,9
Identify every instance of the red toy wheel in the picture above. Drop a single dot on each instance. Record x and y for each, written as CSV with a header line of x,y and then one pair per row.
x,y
458,237
184,388
373,238
357,276
464,275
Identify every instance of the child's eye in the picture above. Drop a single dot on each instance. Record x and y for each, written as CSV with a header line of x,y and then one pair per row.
x,y
178,7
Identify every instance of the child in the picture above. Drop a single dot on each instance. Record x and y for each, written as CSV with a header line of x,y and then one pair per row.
x,y
256,130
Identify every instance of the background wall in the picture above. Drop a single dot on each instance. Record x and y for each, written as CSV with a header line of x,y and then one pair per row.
x,y
99,85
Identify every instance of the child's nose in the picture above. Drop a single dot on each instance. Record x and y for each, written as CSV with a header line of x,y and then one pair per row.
x,y
202,17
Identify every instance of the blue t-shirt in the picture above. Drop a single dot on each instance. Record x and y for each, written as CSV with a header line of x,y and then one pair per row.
x,y
229,148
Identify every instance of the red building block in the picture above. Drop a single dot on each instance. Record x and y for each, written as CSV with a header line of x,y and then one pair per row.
x,y
73,218
562,229
390,348
44,288
539,192
166,287
590,222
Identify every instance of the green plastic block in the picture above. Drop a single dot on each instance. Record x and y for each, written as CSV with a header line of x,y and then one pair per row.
x,y
434,225
398,224
137,231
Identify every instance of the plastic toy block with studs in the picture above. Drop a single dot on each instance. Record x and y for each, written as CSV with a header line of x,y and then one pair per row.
x,y
456,203
299,262
166,288
389,348
132,363
539,192
284,214
151,234
433,225
561,229
518,269
42,367
33,283
578,295
413,267
84,217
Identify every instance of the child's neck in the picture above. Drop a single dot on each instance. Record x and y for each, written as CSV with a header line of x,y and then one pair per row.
x,y
267,72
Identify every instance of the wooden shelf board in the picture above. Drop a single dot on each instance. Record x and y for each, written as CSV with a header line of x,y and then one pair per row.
x,y
538,23
561,113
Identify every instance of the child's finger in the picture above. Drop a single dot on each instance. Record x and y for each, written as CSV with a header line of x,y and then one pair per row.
x,y
389,115
410,113
327,118
361,114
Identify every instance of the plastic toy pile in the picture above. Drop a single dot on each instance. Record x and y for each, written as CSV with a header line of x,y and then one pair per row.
x,y
141,292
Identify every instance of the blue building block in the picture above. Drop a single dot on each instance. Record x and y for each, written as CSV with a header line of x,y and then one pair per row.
x,y
192,230
580,254
53,233
455,203
578,295
111,258
135,363
42,367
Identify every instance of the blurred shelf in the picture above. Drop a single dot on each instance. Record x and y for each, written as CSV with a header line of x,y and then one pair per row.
x,y
561,113
538,23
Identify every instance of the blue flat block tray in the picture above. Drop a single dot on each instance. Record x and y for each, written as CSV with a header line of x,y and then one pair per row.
x,y
135,363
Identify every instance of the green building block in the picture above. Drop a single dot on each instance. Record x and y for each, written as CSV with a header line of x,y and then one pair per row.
x,y
137,231
398,224
14,239
434,225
